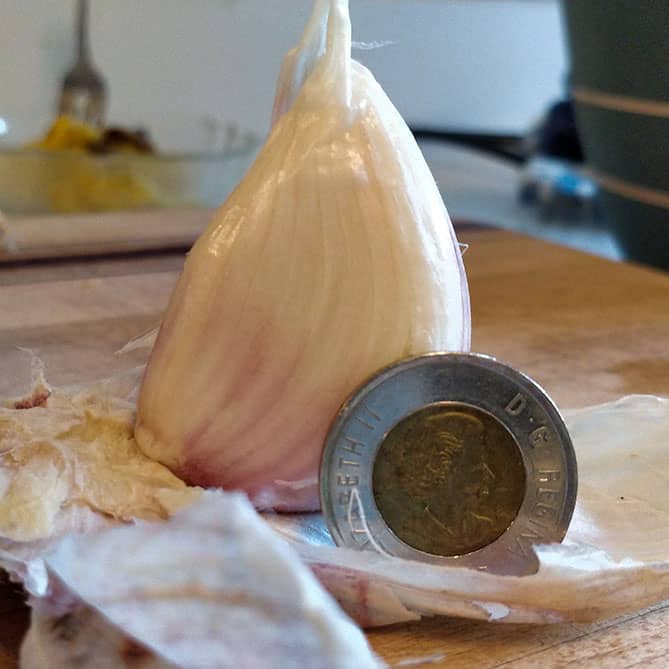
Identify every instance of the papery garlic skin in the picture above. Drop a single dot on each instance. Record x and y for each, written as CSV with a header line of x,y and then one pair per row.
x,y
334,257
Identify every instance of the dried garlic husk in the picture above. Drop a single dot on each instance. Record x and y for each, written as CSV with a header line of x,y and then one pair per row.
x,y
334,257
69,463
615,558
212,587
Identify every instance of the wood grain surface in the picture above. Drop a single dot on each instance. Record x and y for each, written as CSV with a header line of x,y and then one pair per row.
x,y
587,329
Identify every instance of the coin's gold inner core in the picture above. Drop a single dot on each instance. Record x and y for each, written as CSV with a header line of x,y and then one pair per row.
x,y
449,479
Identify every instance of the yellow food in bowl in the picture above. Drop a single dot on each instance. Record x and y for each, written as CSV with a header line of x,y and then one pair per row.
x,y
67,133
83,181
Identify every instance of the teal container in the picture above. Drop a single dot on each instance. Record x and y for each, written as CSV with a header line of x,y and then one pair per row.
x,y
620,84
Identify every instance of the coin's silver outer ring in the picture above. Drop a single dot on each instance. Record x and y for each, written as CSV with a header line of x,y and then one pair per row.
x,y
519,403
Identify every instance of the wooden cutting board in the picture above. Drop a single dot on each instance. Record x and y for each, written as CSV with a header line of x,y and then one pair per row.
x,y
587,329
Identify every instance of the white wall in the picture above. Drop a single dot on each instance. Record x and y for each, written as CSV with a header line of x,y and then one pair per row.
x,y
469,64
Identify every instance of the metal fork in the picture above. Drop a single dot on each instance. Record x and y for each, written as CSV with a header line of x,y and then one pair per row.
x,y
84,92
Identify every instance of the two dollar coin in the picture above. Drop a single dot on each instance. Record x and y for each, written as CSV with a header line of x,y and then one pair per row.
x,y
450,458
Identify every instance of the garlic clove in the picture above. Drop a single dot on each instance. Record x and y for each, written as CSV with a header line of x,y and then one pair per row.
x,y
333,257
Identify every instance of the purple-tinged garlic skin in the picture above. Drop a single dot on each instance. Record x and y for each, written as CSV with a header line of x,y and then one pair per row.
x,y
213,587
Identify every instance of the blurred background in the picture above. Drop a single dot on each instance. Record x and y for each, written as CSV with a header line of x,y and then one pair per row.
x,y
171,99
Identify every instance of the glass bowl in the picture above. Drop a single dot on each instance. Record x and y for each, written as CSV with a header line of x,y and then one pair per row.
x,y
195,165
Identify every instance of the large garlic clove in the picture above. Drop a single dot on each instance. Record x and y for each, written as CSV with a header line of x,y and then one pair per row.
x,y
334,257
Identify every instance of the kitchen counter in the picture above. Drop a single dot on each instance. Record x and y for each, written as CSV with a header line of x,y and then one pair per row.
x,y
587,329
479,186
